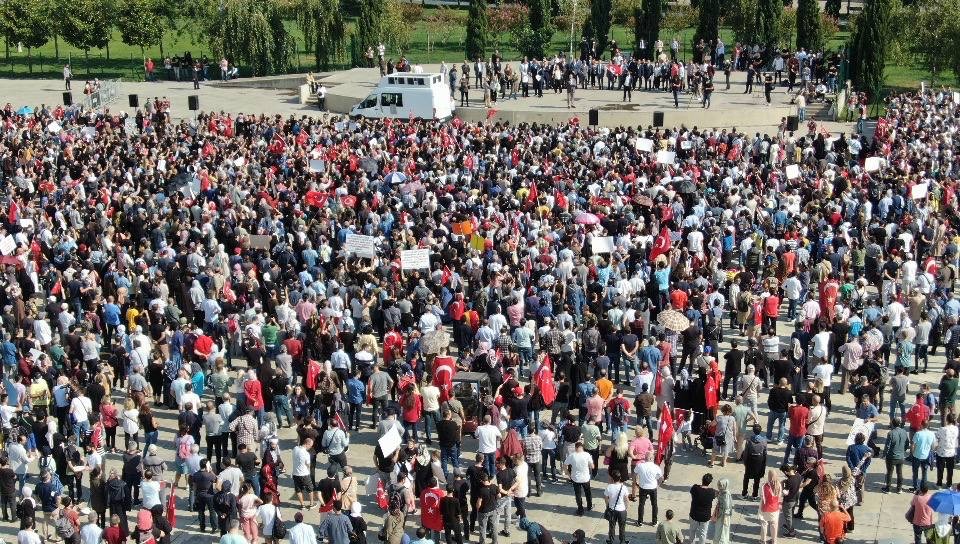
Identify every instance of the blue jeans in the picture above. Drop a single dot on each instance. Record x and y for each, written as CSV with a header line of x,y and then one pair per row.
x,y
451,455
255,480
896,404
409,428
526,360
490,462
780,417
281,406
81,429
150,438
428,418
520,425
617,429
793,442
922,465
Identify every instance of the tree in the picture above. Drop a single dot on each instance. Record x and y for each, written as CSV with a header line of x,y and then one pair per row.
x,y
933,34
768,17
140,22
396,26
869,46
540,27
600,21
679,17
248,32
809,29
741,17
647,25
86,24
25,22
370,24
708,24
478,32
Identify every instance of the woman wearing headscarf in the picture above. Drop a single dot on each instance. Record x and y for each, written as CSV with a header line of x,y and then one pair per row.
x,y
253,393
268,481
358,523
723,513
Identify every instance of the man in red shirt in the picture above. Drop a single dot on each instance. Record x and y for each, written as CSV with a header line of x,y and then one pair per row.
x,y
916,415
798,415
833,524
771,309
678,299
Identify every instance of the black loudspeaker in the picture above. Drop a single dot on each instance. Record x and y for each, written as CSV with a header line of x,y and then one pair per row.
x,y
594,117
793,122
134,100
658,118
193,102
67,98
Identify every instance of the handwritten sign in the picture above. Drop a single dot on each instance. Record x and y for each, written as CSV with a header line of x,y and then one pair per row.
x,y
361,245
415,259
602,244
645,144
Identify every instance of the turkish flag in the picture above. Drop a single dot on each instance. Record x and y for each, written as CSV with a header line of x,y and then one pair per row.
x,y
172,507
491,112
13,215
443,370
665,434
430,508
661,245
532,195
317,199
544,382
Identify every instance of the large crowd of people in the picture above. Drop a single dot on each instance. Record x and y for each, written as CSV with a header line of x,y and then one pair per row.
x,y
200,285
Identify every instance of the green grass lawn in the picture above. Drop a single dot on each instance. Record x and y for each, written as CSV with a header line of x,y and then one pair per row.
x,y
125,61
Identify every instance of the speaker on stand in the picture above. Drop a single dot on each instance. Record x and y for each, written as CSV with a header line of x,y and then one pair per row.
x,y
658,118
67,98
134,100
193,102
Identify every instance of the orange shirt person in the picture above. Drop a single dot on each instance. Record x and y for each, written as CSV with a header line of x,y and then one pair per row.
x,y
833,524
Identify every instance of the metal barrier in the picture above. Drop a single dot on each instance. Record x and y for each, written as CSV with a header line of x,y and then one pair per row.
x,y
107,94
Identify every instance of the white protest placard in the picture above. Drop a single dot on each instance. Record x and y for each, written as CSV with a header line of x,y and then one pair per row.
x,y
415,259
7,245
361,245
162,165
26,223
873,164
316,165
88,132
666,157
956,97
686,144
54,127
130,125
602,244
35,353
859,426
919,191
793,171
239,161
390,441
645,144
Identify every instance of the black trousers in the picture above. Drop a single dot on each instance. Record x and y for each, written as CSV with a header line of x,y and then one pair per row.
x,y
898,466
642,501
948,463
454,534
580,490
756,485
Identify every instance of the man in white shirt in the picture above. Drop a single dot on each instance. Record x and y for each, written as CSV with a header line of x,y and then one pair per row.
x,y
301,474
647,477
301,533
80,409
191,398
791,290
231,474
488,439
579,466
430,395
615,495
91,533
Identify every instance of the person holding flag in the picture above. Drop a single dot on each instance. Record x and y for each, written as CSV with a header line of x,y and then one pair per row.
x,y
431,517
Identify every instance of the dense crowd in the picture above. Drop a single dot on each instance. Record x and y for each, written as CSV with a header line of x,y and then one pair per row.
x,y
217,272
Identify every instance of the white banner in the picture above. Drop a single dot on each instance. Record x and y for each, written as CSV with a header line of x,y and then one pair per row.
x,y
873,164
666,157
920,190
361,245
415,259
602,244
645,144
793,171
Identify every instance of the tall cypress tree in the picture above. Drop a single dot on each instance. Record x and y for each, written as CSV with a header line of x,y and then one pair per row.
x,y
601,21
809,30
708,25
652,19
869,47
478,30
768,13
370,24
541,27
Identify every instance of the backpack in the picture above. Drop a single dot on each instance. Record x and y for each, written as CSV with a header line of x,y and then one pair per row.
x,y
220,503
755,450
618,413
183,447
395,499
64,527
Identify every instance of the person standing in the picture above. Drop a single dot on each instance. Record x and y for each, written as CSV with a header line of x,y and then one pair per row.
x,y
895,453
708,88
486,505
571,88
533,455
723,513
67,76
701,508
791,491
946,449
833,523
921,449
754,462
615,495
923,515
579,466
669,532
647,477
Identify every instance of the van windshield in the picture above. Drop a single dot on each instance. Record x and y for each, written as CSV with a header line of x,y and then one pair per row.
x,y
369,102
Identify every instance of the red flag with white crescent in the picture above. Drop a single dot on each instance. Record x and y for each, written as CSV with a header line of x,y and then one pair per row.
x,y
430,516
661,245
444,368
665,434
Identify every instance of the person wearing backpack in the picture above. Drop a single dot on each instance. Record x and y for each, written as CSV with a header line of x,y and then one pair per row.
x,y
66,522
48,491
225,504
754,462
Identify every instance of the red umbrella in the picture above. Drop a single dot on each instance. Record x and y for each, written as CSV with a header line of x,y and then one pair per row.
x,y
586,218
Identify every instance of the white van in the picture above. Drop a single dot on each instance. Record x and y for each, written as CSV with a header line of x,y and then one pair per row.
x,y
402,95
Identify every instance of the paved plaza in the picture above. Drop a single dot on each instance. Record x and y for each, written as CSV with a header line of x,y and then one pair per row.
x,y
879,519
